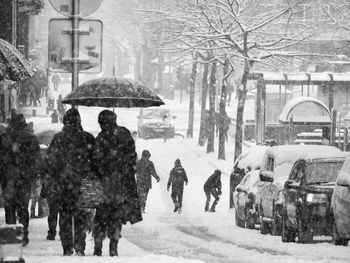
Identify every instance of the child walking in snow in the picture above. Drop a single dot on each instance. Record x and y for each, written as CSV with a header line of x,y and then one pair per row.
x,y
176,180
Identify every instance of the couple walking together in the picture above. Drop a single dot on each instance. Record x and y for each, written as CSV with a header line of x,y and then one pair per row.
x,y
75,154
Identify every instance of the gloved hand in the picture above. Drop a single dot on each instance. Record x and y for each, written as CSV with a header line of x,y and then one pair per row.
x,y
186,183
158,179
219,193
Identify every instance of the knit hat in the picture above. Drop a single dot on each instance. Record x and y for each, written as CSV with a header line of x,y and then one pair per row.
x,y
72,117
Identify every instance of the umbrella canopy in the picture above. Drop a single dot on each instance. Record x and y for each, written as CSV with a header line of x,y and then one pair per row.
x,y
113,92
13,65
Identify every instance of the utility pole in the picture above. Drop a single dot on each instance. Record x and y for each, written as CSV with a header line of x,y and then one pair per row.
x,y
75,44
14,23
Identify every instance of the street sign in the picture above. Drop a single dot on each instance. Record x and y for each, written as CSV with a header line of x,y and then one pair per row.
x,y
85,8
60,45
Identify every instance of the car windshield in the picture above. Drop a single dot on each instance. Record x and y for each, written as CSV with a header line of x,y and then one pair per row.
x,y
155,113
323,172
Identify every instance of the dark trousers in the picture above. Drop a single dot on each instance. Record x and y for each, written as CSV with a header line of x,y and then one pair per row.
x,y
53,216
176,195
67,216
18,204
107,223
143,193
208,194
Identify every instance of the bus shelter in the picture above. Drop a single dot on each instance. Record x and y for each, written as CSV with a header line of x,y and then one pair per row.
x,y
327,82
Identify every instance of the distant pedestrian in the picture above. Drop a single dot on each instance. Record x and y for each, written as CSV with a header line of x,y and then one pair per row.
x,y
114,157
177,179
54,117
144,172
19,155
61,108
213,187
69,156
56,81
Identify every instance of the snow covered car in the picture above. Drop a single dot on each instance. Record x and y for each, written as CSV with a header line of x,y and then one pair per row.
x,y
341,206
244,200
305,202
246,161
155,123
274,171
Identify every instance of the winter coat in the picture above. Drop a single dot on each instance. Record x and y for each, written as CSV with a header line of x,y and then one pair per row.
x,y
115,159
69,159
144,170
177,178
213,182
19,158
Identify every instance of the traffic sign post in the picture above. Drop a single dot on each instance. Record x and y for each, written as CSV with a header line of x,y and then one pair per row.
x,y
90,45
74,9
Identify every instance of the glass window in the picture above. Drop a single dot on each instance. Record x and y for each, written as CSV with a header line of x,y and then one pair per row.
x,y
323,172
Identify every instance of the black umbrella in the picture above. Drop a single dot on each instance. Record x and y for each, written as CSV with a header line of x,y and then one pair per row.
x,y
113,92
13,65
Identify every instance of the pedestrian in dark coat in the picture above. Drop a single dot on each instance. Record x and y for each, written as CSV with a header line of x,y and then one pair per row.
x,y
19,154
115,159
144,172
177,179
69,156
213,187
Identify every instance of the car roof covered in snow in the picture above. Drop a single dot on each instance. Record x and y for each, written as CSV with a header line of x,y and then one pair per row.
x,y
252,157
290,153
324,155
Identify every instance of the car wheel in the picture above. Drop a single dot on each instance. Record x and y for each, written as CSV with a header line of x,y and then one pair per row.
x,y
336,239
239,222
249,220
287,234
276,224
264,226
304,233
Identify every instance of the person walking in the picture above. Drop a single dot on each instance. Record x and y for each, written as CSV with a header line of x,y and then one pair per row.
x,y
56,81
213,187
114,157
19,155
61,108
69,156
144,172
176,181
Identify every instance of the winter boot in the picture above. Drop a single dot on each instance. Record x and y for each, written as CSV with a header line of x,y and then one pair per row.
x,y
25,238
113,247
67,252
98,249
206,209
50,236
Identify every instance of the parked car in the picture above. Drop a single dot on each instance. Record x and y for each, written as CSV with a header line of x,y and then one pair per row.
x,y
248,160
305,204
155,123
341,206
246,213
274,172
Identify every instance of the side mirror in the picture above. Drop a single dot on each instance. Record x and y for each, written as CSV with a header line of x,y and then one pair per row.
x,y
343,179
266,176
241,188
287,184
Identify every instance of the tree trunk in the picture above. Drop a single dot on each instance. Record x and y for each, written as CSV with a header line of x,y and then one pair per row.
x,y
202,129
192,94
223,114
212,113
242,92
147,68
160,69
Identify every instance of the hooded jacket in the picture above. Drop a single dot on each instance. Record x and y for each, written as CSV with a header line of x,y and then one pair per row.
x,y
177,177
114,157
144,171
69,156
20,155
